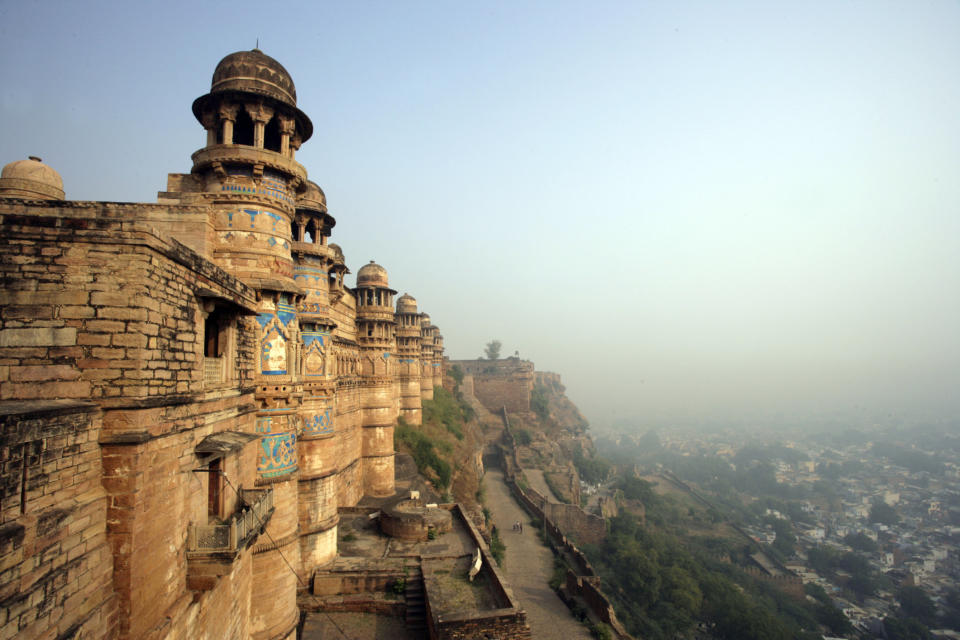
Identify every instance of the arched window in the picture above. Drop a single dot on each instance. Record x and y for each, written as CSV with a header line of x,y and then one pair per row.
x,y
211,336
311,232
243,128
271,135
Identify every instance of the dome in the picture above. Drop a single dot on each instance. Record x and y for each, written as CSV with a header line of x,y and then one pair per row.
x,y
31,179
372,275
337,253
424,319
254,72
313,198
406,304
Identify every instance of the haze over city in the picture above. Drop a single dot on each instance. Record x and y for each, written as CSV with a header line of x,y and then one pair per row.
x,y
694,211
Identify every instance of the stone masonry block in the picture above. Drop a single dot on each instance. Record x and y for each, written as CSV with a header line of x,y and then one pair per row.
x,y
36,374
38,337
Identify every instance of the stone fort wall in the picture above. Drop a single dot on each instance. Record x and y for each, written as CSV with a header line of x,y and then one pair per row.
x,y
498,383
227,392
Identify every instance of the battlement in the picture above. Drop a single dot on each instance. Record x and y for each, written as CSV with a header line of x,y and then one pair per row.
x,y
498,383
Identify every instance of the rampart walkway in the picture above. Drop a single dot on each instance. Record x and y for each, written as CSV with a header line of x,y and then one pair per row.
x,y
528,566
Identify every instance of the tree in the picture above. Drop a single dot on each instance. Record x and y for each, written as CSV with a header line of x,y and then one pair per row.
x,y
904,629
883,513
917,604
493,349
861,542
786,541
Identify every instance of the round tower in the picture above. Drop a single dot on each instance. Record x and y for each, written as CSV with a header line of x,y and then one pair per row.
x,y
317,452
248,173
427,332
408,359
438,359
379,397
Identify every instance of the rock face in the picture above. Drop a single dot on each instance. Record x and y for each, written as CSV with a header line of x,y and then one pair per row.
x,y
189,390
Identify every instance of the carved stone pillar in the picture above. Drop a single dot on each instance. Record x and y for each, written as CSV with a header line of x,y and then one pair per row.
x,y
260,114
228,115
294,145
286,130
209,121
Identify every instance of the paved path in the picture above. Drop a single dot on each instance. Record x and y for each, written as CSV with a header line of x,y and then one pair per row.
x,y
528,566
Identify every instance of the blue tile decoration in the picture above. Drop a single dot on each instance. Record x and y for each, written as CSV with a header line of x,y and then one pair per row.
x,y
320,423
278,455
273,351
309,337
273,216
314,353
286,313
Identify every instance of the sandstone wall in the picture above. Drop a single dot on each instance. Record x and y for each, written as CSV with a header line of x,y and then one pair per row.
x,y
57,570
107,309
101,308
499,383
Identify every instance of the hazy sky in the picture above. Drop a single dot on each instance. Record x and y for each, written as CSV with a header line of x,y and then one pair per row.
x,y
690,210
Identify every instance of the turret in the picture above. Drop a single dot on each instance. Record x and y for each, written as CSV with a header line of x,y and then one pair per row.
x,y
427,335
317,446
408,359
253,130
30,179
380,389
248,174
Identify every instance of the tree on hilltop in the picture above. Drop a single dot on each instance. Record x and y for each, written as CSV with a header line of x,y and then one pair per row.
x,y
492,350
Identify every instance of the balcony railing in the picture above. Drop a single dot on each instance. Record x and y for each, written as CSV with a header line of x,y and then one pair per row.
x,y
212,370
242,526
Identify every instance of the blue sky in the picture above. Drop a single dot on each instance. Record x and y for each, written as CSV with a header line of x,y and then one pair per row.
x,y
691,210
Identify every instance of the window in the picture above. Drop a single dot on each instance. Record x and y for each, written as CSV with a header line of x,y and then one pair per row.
x,y
271,135
211,336
243,128
214,489
218,335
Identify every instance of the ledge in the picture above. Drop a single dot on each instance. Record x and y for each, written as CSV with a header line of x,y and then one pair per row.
x,y
31,408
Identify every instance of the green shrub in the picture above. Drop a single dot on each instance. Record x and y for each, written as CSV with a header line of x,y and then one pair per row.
x,y
497,548
445,409
422,449
538,402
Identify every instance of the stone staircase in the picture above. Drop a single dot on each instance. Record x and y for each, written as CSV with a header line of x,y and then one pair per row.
x,y
415,597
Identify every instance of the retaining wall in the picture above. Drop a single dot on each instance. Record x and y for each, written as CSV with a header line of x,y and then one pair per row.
x,y
583,582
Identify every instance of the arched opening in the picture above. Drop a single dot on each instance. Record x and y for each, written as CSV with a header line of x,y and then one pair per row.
x,y
243,128
271,135
211,336
310,234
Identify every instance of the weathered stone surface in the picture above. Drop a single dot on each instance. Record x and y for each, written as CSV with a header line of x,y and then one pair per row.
x,y
221,309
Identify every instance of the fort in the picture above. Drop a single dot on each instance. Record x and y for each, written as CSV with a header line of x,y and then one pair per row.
x,y
189,392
